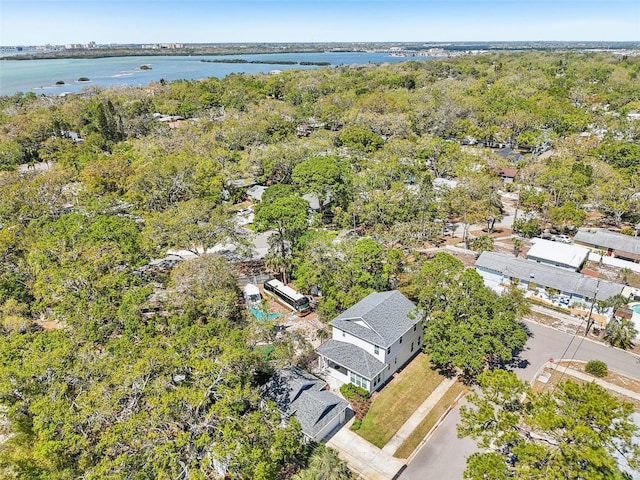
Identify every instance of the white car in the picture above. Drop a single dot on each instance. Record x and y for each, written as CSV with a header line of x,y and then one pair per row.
x,y
563,239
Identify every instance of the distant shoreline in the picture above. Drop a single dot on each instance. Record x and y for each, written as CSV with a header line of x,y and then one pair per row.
x,y
93,54
222,49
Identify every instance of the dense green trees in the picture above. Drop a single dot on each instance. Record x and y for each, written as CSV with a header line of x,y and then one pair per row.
x,y
467,326
154,375
576,431
287,216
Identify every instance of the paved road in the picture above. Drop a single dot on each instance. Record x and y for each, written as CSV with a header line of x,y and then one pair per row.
x,y
444,455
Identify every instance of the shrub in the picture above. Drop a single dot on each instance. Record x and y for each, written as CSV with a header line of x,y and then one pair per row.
x,y
596,368
356,425
350,391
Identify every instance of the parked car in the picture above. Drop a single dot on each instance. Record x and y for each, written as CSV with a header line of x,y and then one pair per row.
x,y
563,239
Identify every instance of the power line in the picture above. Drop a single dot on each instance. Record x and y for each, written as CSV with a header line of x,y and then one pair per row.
x,y
588,327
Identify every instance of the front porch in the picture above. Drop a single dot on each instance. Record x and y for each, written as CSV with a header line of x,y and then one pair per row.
x,y
347,363
332,373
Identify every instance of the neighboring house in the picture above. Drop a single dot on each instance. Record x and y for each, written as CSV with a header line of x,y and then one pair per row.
x,y
372,340
72,135
561,255
510,154
508,175
306,398
255,192
551,284
613,244
314,202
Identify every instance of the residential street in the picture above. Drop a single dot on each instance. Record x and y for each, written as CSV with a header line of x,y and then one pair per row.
x,y
444,455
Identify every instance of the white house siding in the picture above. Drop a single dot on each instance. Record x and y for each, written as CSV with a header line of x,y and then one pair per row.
x,y
552,263
401,353
493,280
497,282
342,336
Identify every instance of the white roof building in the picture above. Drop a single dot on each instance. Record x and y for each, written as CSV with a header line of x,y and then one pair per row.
x,y
562,255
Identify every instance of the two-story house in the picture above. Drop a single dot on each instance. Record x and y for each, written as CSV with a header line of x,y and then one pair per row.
x,y
372,340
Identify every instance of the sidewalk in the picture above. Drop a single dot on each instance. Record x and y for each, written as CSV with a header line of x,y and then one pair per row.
x,y
588,378
372,463
414,420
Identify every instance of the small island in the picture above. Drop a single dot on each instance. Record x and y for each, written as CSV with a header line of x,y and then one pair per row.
x,y
84,79
265,62
145,67
60,82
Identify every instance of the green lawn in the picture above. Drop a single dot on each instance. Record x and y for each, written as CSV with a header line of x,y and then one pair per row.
x,y
429,421
395,403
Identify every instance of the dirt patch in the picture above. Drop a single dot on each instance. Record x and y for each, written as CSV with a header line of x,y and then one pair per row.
x,y
49,324
607,272
498,232
307,326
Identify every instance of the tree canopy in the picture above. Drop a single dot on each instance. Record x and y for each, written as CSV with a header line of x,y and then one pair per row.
x,y
573,432
467,326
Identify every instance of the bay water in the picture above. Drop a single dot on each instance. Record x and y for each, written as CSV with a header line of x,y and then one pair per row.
x,y
42,76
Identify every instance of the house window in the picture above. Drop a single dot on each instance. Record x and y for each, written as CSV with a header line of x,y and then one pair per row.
x,y
400,339
412,346
415,326
376,349
343,334
358,380
389,351
395,362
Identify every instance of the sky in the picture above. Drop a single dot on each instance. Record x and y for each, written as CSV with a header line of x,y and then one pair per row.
x,y
39,22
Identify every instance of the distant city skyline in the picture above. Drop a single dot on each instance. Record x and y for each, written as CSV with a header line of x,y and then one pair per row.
x,y
59,22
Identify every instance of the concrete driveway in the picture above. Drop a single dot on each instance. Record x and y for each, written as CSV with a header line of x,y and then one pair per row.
x,y
444,456
365,459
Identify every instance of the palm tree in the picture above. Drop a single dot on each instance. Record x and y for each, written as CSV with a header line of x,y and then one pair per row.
x,y
621,332
324,464
517,246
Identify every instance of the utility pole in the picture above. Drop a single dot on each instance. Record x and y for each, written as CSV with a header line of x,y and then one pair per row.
x,y
593,301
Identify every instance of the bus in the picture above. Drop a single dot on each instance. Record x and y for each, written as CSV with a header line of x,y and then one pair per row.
x,y
288,296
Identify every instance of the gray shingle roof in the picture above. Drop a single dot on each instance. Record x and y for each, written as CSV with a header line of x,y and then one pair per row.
x,y
352,357
380,318
314,410
608,239
547,275
300,394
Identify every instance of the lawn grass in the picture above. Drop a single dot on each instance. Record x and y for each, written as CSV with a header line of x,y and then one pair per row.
x,y
413,440
397,401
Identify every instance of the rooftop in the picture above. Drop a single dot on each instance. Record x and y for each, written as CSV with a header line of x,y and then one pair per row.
x,y
300,394
352,357
380,318
548,275
555,252
608,239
